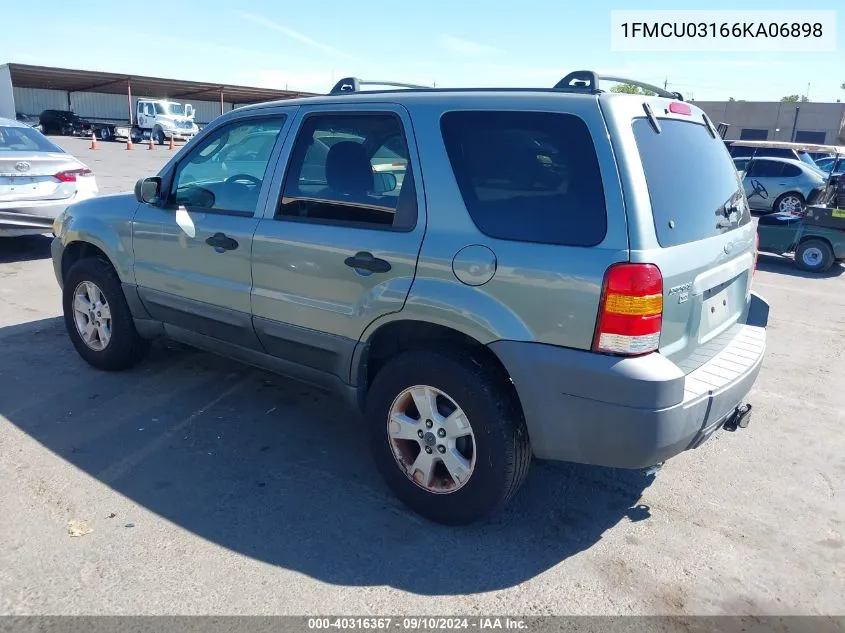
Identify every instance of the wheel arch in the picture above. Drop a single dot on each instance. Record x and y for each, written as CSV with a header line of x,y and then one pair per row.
x,y
821,238
81,249
402,334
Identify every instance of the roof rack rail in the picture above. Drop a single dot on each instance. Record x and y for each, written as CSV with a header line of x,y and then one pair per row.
x,y
588,81
353,84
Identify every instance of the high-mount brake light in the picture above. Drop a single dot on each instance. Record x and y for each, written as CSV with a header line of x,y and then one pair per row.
x,y
676,107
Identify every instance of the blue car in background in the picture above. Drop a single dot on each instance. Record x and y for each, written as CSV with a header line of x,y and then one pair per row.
x,y
832,165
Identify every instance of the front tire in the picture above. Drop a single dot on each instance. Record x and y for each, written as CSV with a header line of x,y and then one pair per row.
x,y
97,317
447,435
158,134
105,134
814,255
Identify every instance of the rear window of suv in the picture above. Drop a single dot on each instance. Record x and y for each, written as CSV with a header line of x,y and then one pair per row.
x,y
692,182
527,176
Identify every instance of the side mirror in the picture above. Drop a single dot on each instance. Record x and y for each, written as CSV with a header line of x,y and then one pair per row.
x,y
148,190
383,182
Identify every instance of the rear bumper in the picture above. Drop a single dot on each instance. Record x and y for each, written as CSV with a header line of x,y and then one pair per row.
x,y
28,220
630,412
36,216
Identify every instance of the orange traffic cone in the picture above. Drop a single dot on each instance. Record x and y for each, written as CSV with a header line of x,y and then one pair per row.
x,y
150,146
172,144
93,140
129,142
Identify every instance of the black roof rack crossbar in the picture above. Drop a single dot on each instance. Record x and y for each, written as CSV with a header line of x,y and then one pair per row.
x,y
576,81
353,84
580,80
589,81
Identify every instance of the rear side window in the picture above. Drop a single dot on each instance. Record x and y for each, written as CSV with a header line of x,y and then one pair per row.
x,y
762,168
528,176
791,171
25,139
693,184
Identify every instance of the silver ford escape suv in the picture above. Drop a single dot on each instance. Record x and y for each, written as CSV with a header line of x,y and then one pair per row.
x,y
488,275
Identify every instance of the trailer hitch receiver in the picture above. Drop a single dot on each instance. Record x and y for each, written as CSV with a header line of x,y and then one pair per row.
x,y
739,419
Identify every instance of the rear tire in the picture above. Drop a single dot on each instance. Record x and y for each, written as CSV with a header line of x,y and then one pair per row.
x,y
500,455
105,134
116,343
814,255
789,202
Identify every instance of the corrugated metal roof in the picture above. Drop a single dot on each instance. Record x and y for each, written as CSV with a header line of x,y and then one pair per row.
x,y
26,76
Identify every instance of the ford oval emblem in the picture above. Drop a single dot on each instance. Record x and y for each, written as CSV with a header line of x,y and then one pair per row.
x,y
22,166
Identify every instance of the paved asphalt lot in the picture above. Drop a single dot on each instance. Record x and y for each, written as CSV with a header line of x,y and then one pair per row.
x,y
211,487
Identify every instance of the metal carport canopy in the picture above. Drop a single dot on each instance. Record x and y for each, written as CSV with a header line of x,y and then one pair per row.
x,y
69,80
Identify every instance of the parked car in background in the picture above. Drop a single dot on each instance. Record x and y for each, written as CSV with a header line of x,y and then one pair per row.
x,y
817,156
63,122
834,165
38,180
522,300
779,184
771,149
31,121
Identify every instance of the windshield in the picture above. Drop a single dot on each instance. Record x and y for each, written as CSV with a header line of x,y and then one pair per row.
x,y
173,109
808,160
25,139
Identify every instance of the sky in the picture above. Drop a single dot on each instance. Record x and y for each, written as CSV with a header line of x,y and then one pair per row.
x,y
308,45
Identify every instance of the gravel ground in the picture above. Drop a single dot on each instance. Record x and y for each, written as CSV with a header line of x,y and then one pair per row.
x,y
211,487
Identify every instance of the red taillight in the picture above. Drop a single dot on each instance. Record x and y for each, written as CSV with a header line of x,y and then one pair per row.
x,y
631,310
680,108
70,176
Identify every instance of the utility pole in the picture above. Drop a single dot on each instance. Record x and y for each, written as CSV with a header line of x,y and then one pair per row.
x,y
807,94
795,124
665,83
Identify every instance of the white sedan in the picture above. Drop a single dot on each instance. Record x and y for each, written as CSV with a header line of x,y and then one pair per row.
x,y
38,180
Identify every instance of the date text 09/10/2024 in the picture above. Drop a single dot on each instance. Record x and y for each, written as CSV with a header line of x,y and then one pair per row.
x,y
416,623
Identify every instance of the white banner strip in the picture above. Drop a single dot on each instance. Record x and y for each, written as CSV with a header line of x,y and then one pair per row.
x,y
728,31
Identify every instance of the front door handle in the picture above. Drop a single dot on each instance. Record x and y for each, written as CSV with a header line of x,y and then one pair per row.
x,y
365,261
222,242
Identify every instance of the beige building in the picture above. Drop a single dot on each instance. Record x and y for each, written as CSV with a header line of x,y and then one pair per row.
x,y
776,121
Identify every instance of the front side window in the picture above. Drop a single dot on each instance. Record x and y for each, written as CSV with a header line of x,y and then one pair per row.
x,y
528,176
350,169
209,179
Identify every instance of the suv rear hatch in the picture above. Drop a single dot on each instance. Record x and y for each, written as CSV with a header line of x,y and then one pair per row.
x,y
688,215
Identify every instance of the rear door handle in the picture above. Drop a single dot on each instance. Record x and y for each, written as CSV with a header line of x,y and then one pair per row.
x,y
222,242
365,261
